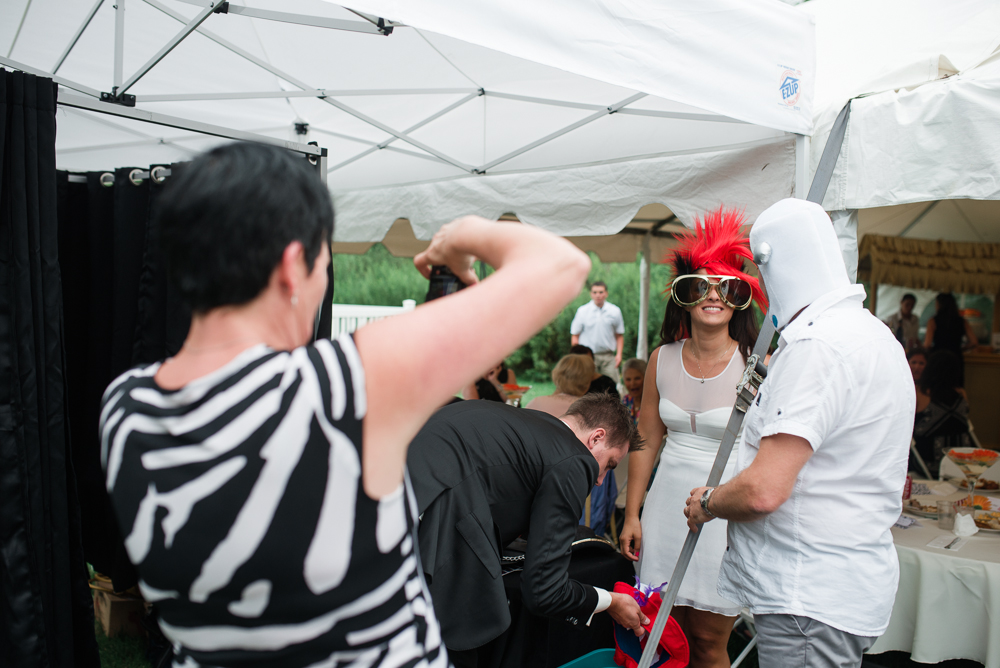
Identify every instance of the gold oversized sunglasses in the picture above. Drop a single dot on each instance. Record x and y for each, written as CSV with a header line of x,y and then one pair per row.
x,y
693,289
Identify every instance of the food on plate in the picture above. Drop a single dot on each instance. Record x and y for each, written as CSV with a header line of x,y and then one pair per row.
x,y
914,504
988,520
981,484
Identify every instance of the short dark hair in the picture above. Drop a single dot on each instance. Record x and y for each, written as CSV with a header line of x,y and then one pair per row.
x,y
599,283
601,409
909,295
226,217
581,350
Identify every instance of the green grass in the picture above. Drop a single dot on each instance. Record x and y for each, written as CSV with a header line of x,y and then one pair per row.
x,y
121,651
538,389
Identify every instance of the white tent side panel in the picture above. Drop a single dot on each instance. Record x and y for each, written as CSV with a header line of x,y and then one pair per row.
x,y
937,141
581,201
753,60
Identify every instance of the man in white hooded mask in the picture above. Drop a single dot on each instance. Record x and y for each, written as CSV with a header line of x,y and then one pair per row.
x,y
822,461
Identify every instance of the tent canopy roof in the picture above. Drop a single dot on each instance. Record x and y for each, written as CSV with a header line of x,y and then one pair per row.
x,y
531,103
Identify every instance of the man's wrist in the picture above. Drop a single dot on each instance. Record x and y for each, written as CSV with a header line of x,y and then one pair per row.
x,y
705,498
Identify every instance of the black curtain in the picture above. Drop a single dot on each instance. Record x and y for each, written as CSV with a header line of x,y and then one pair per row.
x,y
46,614
120,312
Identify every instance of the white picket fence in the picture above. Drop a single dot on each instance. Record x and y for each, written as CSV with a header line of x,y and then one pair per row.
x,y
349,317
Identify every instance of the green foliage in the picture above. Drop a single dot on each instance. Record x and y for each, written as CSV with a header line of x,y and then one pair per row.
x,y
376,278
379,278
121,651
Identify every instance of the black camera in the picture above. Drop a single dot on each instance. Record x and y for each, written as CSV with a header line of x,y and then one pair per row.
x,y
443,283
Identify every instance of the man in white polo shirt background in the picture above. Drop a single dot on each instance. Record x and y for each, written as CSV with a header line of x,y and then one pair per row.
x,y
822,461
599,325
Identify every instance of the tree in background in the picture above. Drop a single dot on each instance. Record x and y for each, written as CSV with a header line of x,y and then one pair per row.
x,y
378,278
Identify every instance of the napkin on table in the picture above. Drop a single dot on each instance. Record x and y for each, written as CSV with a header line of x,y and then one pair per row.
x,y
965,525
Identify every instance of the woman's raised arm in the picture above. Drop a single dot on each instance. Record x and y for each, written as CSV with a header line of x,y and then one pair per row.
x,y
416,361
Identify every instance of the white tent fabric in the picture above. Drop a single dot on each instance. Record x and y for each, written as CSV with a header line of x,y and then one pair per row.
x,y
581,201
937,141
930,87
669,49
430,116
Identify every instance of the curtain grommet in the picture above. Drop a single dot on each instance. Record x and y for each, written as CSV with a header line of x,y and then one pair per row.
x,y
159,174
107,179
136,176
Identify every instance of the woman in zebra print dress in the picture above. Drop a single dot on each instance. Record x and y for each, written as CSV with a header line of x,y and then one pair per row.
x,y
258,478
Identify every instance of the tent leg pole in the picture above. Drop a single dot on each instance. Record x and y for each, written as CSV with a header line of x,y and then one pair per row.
x,y
642,344
873,298
119,45
801,165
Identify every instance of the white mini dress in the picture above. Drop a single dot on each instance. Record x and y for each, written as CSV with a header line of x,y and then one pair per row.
x,y
695,414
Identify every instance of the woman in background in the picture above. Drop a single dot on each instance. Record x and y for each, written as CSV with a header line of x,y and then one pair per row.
x,y
942,419
571,376
708,331
917,359
258,477
945,330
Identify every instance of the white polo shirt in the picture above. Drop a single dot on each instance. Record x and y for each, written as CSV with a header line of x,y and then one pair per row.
x,y
841,381
597,326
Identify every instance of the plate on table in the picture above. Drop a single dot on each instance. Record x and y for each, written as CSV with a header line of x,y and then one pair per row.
x,y
988,520
922,506
983,486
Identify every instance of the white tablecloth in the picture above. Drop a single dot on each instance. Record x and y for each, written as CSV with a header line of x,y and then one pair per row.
x,y
948,603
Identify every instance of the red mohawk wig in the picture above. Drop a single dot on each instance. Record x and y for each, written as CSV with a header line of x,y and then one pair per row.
x,y
718,246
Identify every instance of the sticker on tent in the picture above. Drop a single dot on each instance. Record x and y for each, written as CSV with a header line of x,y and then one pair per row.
x,y
789,86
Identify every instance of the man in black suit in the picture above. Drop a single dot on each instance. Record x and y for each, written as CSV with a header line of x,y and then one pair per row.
x,y
485,473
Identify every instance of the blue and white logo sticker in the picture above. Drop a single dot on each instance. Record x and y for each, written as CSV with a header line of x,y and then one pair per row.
x,y
789,87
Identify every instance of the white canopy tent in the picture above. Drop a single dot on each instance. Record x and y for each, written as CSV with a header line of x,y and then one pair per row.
x,y
921,157
565,101
571,115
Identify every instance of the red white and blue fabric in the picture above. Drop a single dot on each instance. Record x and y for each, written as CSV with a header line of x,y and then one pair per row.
x,y
673,651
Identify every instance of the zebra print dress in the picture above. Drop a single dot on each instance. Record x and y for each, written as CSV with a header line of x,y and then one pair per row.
x,y
241,500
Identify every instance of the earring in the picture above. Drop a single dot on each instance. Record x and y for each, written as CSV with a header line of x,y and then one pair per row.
x,y
295,300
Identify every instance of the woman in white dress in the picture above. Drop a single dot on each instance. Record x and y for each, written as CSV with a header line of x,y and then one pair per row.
x,y
689,392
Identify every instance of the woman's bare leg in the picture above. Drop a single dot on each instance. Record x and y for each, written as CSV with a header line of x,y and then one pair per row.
x,y
707,634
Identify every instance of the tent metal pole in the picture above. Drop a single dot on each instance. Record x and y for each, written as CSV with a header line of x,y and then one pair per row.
x,y
78,102
642,345
559,133
372,25
801,164
80,88
119,44
680,115
684,116
76,37
168,47
318,92
232,47
20,25
414,128
306,20
304,86
919,218
399,135
150,141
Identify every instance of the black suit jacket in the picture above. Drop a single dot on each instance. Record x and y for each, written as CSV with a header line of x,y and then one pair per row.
x,y
483,474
